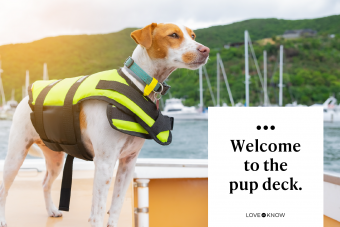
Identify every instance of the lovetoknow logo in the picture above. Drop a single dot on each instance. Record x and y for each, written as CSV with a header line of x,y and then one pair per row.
x,y
265,215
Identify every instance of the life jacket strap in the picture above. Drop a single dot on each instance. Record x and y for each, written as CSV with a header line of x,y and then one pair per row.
x,y
68,112
66,185
38,110
148,106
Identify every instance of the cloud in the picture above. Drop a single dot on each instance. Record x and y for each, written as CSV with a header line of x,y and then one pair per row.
x,y
28,20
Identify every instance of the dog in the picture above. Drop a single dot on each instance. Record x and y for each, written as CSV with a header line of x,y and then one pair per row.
x,y
161,49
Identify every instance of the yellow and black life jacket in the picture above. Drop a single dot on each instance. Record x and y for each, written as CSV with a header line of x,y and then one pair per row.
x,y
56,106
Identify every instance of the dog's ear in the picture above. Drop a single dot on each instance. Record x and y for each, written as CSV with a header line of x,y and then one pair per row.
x,y
144,36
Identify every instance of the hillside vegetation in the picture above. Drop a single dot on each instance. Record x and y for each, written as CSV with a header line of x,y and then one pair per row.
x,y
311,73
217,36
311,65
66,56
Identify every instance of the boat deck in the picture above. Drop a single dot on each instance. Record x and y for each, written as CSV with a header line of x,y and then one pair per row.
x,y
169,185
26,207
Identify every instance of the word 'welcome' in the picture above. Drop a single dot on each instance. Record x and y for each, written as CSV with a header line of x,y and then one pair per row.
x,y
263,147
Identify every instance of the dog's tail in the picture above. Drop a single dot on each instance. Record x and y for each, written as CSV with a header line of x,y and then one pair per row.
x,y
35,151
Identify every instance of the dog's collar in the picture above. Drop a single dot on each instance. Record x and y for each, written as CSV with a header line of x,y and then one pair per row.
x,y
151,84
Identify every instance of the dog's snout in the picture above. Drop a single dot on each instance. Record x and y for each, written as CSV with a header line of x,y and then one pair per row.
x,y
203,50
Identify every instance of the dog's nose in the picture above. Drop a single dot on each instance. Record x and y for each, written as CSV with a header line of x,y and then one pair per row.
x,y
204,50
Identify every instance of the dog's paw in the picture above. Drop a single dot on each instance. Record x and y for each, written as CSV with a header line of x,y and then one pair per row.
x,y
111,223
95,221
3,222
54,212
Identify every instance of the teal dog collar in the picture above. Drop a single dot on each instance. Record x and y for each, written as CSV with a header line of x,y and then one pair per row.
x,y
151,84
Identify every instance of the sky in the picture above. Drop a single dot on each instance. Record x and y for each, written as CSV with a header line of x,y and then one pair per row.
x,y
29,20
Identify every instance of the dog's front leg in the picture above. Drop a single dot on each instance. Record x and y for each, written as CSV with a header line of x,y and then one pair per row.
x,y
123,179
102,178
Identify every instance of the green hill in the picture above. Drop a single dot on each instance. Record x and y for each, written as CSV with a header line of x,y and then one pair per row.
x,y
311,64
217,36
66,56
311,73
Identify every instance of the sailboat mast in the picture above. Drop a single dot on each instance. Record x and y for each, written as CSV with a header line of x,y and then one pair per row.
x,y
218,79
27,81
226,81
45,76
281,71
201,89
265,78
2,87
209,85
23,91
13,95
246,66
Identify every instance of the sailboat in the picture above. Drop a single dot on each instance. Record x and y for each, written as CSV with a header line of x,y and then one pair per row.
x,y
331,111
7,108
7,111
175,108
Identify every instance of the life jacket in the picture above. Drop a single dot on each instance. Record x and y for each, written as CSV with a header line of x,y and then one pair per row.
x,y
56,108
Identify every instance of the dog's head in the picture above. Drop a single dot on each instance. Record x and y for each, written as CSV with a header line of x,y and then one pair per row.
x,y
173,44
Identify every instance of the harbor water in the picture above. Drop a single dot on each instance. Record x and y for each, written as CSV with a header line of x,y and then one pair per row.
x,y
190,140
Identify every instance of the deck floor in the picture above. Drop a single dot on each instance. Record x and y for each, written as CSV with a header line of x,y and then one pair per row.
x,y
329,222
25,202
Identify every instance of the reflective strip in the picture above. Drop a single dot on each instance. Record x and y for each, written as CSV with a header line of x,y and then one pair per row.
x,y
163,136
87,89
128,126
122,99
38,86
56,96
149,88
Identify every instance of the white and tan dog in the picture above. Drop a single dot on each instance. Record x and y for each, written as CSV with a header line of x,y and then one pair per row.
x,y
162,49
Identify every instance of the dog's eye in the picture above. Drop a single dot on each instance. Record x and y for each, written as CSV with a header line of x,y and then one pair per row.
x,y
174,35
193,36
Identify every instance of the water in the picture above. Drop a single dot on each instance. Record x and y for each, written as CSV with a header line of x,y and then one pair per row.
x,y
331,156
4,133
190,140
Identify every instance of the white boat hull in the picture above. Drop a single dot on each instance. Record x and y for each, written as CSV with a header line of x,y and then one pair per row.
x,y
331,116
187,116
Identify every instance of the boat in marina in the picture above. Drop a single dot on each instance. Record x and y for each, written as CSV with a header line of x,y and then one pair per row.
x,y
7,111
175,108
331,111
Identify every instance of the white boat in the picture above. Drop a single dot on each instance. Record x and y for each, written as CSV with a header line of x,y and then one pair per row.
x,y
331,111
175,108
7,111
295,104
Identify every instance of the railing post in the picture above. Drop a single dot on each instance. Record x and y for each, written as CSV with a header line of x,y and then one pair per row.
x,y
143,202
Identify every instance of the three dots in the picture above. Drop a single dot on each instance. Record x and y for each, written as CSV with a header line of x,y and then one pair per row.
x,y
265,127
